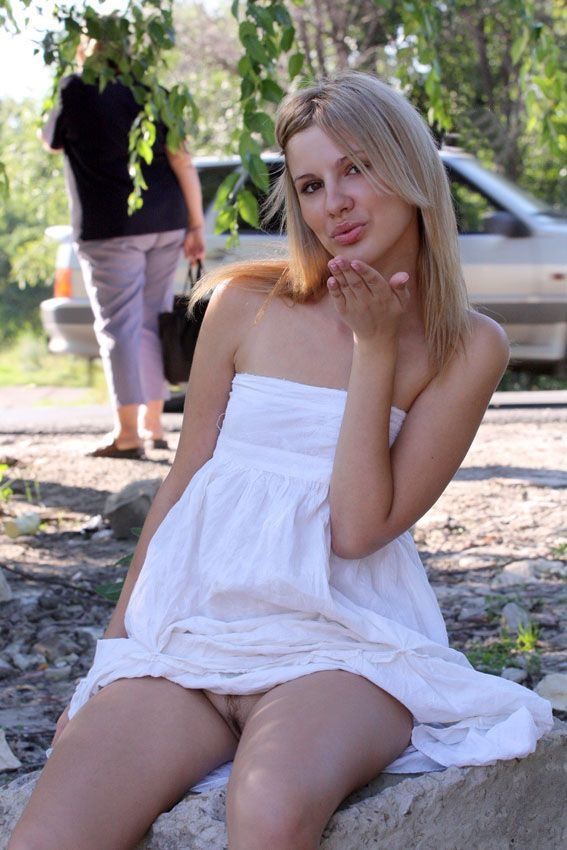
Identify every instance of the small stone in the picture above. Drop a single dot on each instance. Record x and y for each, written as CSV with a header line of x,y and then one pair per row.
x,y
5,590
554,688
518,572
512,617
57,674
513,674
8,760
473,614
5,669
127,509
26,662
27,523
546,568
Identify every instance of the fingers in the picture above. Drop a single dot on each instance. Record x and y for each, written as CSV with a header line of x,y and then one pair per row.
x,y
337,294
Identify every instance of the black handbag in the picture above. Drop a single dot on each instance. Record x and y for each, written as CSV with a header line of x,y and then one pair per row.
x,y
178,331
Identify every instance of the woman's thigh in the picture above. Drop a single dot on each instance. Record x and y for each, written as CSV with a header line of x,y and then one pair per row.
x,y
307,745
128,755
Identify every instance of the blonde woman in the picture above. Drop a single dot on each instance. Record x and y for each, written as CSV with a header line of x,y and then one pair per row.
x,y
276,612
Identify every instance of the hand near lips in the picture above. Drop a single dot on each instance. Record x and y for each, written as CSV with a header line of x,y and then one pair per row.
x,y
369,304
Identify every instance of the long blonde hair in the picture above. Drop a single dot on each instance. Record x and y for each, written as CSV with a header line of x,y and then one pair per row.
x,y
358,112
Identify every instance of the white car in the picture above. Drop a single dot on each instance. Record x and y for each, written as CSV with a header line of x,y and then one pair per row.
x,y
513,251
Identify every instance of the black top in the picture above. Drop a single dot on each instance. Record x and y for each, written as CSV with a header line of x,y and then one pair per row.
x,y
92,127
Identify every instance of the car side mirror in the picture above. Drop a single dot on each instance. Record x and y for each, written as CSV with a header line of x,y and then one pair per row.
x,y
503,223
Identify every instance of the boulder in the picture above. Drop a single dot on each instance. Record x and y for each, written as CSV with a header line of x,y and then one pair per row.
x,y
5,589
127,509
554,688
508,804
513,617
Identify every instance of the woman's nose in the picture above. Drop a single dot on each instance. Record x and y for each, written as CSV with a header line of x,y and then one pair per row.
x,y
337,201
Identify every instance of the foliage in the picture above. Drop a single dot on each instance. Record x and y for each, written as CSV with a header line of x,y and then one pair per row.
x,y
494,655
490,71
206,58
6,491
36,200
111,590
28,362
503,84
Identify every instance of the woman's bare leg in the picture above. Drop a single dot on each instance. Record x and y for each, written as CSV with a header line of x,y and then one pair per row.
x,y
127,756
307,744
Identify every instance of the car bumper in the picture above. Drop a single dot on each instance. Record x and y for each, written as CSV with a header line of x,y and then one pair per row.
x,y
68,323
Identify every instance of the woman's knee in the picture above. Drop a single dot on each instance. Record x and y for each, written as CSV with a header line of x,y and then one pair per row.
x,y
30,837
265,811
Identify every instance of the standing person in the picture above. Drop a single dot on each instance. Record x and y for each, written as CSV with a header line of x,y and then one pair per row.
x,y
128,262
276,611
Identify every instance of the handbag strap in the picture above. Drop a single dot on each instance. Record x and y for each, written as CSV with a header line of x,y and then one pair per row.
x,y
193,277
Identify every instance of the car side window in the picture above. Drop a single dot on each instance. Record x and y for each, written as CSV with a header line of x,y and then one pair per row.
x,y
472,207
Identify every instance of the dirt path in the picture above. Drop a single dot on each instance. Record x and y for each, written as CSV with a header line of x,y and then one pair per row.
x,y
506,505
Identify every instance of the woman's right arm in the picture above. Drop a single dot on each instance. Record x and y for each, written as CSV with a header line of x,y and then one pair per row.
x,y
230,313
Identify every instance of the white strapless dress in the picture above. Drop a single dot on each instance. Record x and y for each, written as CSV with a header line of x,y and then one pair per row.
x,y
240,591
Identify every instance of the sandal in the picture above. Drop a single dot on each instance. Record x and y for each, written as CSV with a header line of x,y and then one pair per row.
x,y
112,450
158,443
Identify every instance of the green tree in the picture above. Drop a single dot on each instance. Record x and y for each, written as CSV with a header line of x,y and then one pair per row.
x,y
36,199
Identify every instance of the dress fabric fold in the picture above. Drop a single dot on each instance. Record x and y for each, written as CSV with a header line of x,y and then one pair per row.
x,y
240,591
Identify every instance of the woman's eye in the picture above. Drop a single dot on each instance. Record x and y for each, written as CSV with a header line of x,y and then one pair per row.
x,y
354,169
309,188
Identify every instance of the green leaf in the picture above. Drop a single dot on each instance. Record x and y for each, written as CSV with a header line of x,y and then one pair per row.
x,y
255,51
519,46
287,38
110,590
244,66
264,18
281,15
225,189
271,91
295,64
258,171
247,147
145,151
226,219
260,122
247,30
248,207
247,87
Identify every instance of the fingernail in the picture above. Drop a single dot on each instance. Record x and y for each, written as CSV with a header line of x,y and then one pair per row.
x,y
332,283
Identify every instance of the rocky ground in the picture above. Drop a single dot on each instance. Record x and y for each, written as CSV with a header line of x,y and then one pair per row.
x,y
495,547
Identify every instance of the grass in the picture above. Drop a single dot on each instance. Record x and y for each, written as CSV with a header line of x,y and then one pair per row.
x,y
29,363
517,380
495,654
560,551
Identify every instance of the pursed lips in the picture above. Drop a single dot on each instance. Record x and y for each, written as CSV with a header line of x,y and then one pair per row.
x,y
348,232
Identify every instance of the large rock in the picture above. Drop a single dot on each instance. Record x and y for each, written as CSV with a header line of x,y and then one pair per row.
x,y
509,804
127,509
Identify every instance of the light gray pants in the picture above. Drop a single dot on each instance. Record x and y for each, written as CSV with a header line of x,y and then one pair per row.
x,y
129,281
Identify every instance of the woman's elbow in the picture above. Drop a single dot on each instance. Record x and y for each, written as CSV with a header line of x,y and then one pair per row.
x,y
353,547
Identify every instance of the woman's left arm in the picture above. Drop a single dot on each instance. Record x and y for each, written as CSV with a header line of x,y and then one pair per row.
x,y
378,493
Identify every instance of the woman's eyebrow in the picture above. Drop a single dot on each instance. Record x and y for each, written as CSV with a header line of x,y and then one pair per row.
x,y
338,164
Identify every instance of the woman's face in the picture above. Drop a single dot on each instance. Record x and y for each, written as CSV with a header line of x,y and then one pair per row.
x,y
346,213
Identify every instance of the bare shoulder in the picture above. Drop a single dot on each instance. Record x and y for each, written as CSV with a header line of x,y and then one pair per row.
x,y
233,302
473,373
487,341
